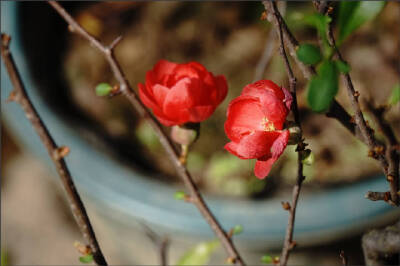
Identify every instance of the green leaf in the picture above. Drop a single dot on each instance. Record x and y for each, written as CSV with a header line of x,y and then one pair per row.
x,y
323,87
103,89
342,66
267,259
395,96
200,254
309,54
352,14
237,229
179,195
86,259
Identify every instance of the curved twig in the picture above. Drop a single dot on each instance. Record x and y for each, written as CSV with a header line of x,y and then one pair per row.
x,y
56,153
289,244
127,91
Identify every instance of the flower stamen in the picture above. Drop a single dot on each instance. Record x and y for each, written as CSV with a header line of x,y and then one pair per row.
x,y
267,125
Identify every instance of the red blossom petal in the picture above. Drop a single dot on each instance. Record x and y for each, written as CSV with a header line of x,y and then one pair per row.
x,y
163,68
179,99
274,109
262,168
259,87
200,113
288,98
160,93
244,115
255,145
280,143
146,97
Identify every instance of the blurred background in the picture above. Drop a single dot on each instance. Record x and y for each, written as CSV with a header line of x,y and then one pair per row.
x,y
228,38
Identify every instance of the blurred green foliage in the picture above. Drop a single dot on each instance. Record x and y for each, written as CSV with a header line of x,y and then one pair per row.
x,y
200,254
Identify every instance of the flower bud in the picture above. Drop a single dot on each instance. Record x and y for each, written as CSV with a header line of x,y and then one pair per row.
x,y
185,134
295,132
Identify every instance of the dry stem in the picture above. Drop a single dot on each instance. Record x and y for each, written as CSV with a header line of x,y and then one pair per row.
x,y
289,244
127,91
56,153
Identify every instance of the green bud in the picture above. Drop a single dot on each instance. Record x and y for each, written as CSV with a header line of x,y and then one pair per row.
x,y
295,132
307,157
237,229
103,89
180,195
267,259
86,259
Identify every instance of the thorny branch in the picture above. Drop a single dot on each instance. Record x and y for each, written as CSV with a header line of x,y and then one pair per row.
x,y
391,153
336,110
390,162
127,91
56,153
289,244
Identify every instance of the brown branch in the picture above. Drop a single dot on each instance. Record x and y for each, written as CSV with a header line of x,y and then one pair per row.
x,y
375,196
391,153
390,168
308,71
56,153
168,145
161,243
289,244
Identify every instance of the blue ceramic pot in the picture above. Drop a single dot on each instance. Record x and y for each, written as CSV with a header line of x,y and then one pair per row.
x,y
115,190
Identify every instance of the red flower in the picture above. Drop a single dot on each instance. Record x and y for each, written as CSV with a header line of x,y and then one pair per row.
x,y
255,124
181,93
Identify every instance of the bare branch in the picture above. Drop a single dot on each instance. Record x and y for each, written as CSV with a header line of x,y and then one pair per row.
x,y
168,145
391,153
289,244
161,243
390,168
56,153
308,71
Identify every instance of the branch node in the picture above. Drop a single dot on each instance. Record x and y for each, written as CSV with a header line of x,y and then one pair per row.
x,y
292,245
60,152
13,97
71,28
231,260
286,205
5,40
115,42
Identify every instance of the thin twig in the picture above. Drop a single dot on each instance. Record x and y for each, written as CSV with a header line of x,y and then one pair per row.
x,y
161,243
389,166
126,89
375,196
308,71
56,153
343,258
289,244
391,153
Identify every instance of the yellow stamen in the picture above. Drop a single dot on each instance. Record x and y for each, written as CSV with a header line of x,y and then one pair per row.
x,y
267,125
